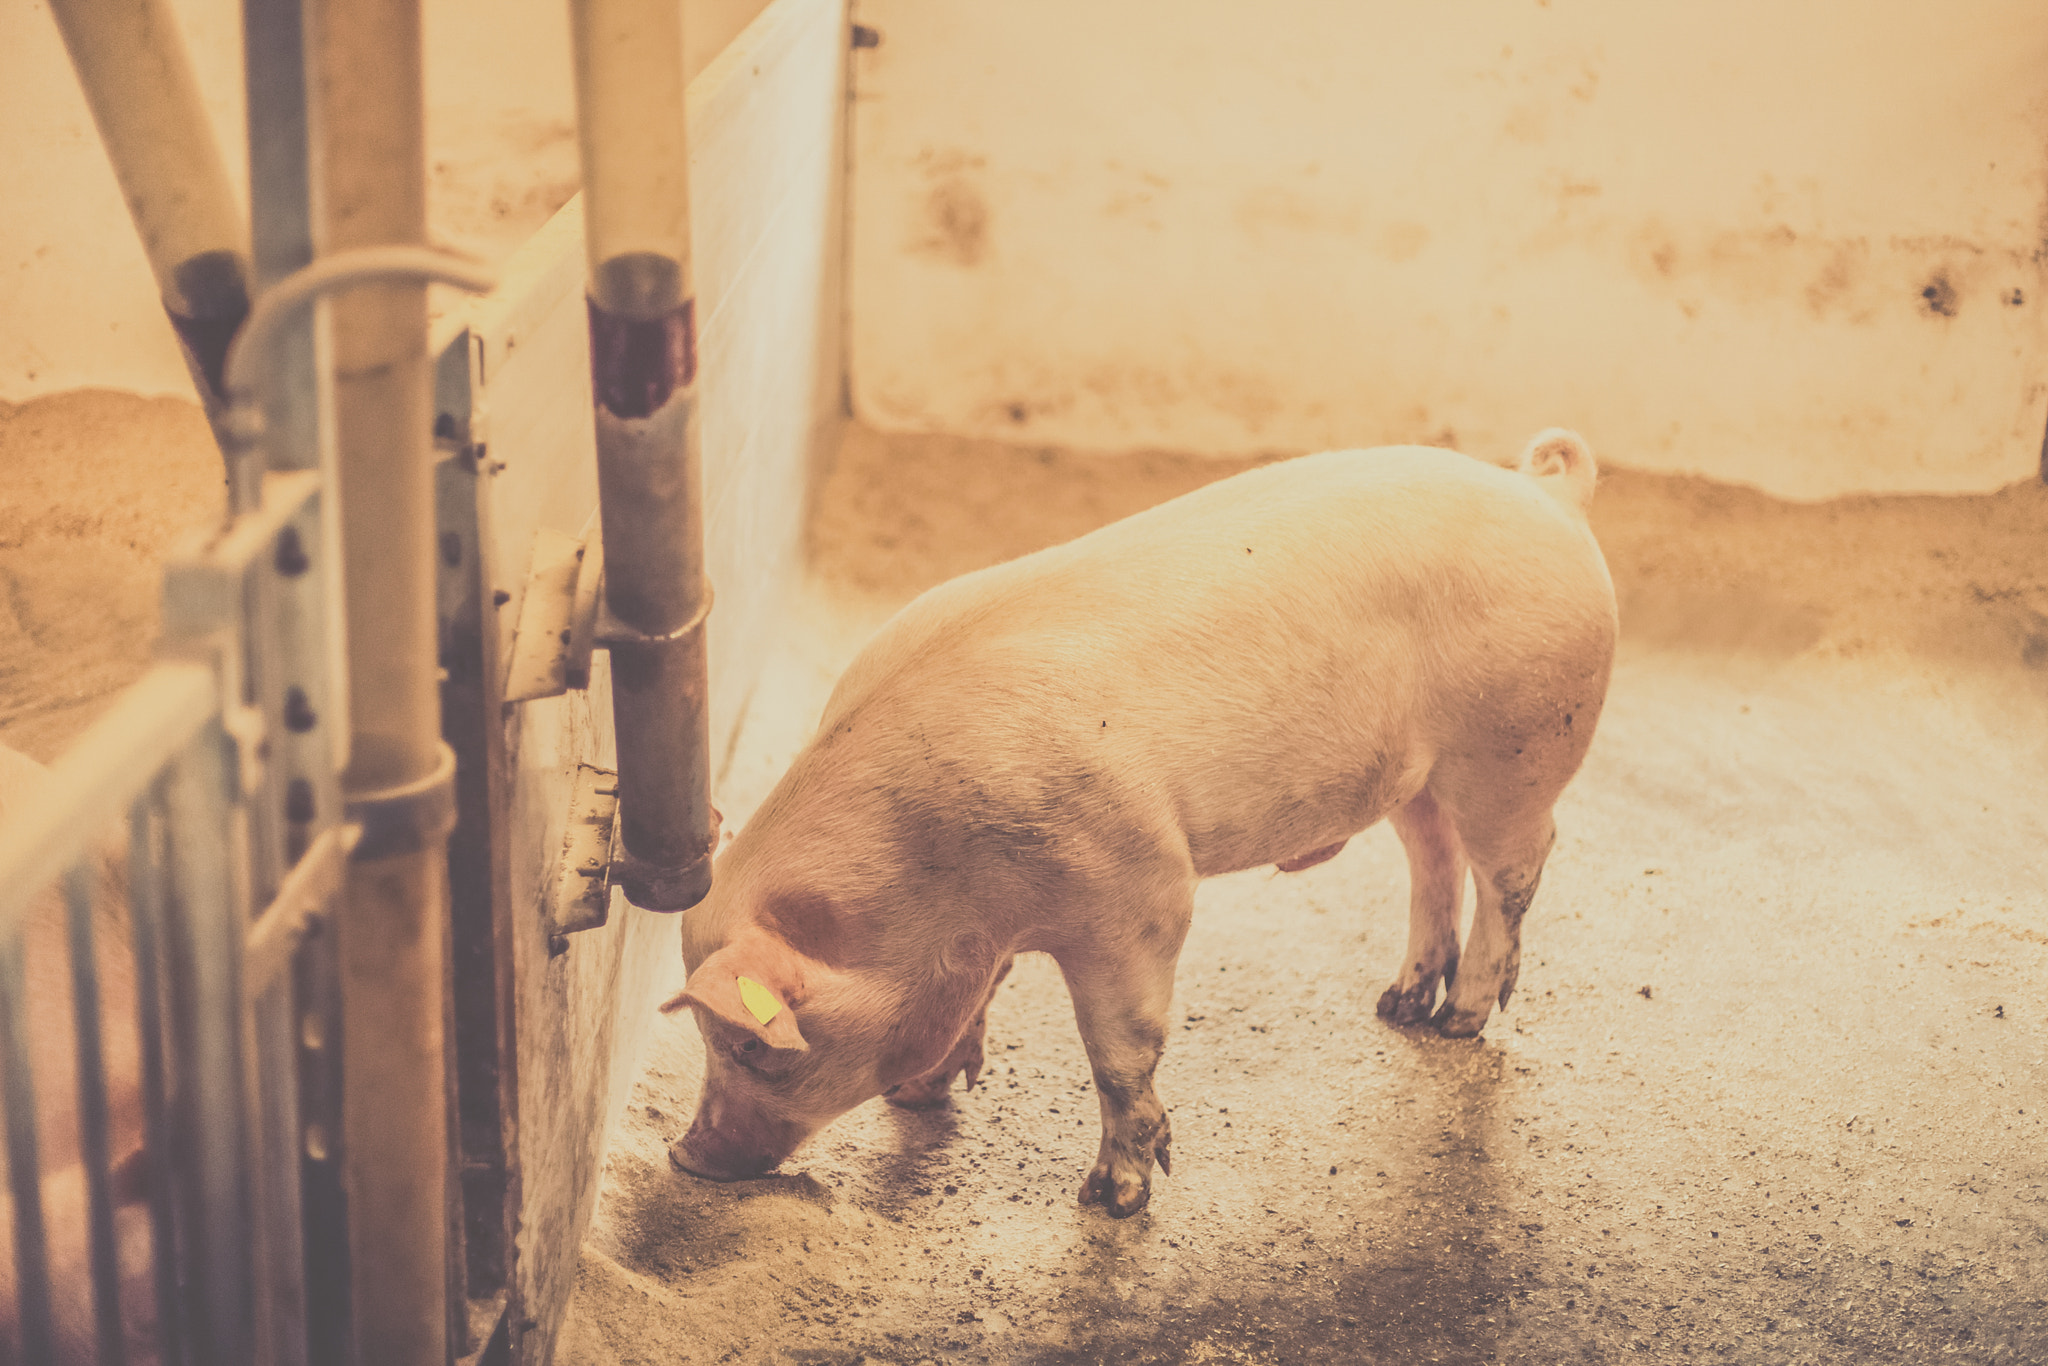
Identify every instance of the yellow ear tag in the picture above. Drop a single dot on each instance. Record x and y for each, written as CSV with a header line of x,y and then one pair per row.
x,y
759,1001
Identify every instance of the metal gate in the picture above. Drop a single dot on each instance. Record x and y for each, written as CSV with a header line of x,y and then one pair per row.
x,y
311,883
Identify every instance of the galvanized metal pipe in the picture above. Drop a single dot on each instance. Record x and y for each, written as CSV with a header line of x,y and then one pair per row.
x,y
95,1124
643,363
24,1165
146,865
145,101
371,154
204,918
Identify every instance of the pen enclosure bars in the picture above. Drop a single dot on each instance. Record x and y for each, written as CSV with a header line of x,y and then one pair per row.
x,y
208,832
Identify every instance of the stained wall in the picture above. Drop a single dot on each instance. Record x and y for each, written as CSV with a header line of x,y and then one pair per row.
x,y
1797,246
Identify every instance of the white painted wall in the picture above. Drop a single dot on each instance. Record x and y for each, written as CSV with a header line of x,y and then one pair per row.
x,y
1797,245
77,305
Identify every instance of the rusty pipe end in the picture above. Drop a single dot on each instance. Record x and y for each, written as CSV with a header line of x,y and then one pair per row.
x,y
652,887
666,888
659,876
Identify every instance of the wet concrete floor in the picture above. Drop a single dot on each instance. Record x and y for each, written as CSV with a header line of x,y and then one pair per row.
x,y
1774,1086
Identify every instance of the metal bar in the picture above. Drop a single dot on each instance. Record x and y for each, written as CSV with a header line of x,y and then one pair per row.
x,y
281,217
391,925
146,104
24,1167
308,694
204,923
357,267
476,1190
643,363
482,910
330,1329
279,1333
146,907
274,938
307,627
92,784
94,1123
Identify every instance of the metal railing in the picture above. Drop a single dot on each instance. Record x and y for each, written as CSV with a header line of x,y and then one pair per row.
x,y
180,759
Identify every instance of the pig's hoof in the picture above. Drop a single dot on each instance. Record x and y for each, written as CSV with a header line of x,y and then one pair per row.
x,y
1407,1007
1122,1195
1458,1024
925,1093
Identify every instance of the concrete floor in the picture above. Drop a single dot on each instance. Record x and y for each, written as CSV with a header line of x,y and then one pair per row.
x,y
1774,1086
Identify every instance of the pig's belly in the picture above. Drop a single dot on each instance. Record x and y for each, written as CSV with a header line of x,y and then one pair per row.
x,y
1283,815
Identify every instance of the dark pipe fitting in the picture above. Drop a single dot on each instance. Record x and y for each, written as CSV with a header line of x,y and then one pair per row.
x,y
642,365
214,289
668,830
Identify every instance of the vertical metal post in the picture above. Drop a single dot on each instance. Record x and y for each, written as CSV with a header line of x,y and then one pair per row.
x,y
369,119
24,1165
204,918
294,668
94,1125
145,102
146,867
643,364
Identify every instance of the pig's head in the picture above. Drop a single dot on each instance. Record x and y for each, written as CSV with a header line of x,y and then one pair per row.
x,y
795,1038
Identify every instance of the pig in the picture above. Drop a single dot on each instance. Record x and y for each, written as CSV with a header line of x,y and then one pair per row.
x,y
53,1058
1047,755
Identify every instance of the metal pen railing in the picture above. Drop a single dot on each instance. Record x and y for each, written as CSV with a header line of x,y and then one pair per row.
x,y
175,758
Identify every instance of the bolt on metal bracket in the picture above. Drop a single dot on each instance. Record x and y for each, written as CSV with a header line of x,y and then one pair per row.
x,y
582,895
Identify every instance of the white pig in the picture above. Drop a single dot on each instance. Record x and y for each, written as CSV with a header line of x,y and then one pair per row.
x,y
1047,755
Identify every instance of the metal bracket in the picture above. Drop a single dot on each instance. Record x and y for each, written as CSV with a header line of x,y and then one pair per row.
x,y
564,618
583,875
557,620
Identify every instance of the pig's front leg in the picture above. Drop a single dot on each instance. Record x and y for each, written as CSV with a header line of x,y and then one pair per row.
x,y
930,1090
1122,986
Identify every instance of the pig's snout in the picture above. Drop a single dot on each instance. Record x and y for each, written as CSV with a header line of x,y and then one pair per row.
x,y
724,1146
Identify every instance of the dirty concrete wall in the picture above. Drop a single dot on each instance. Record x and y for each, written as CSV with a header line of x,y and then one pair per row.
x,y
1800,246
77,305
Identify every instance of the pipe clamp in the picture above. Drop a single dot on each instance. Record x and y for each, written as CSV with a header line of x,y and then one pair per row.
x,y
407,818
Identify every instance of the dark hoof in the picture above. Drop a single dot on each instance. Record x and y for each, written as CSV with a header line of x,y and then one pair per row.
x,y
1121,1199
1408,1007
1457,1024
920,1094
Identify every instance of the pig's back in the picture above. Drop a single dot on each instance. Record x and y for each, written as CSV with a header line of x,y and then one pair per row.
x,y
1327,624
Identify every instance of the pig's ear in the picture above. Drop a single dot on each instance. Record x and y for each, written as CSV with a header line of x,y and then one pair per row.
x,y
750,990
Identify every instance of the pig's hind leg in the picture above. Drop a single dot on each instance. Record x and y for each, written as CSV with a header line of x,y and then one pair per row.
x,y
1122,985
930,1091
1436,892
1508,851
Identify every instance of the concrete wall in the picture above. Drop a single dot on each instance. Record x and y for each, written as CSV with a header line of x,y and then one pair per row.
x,y
1795,245
77,305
